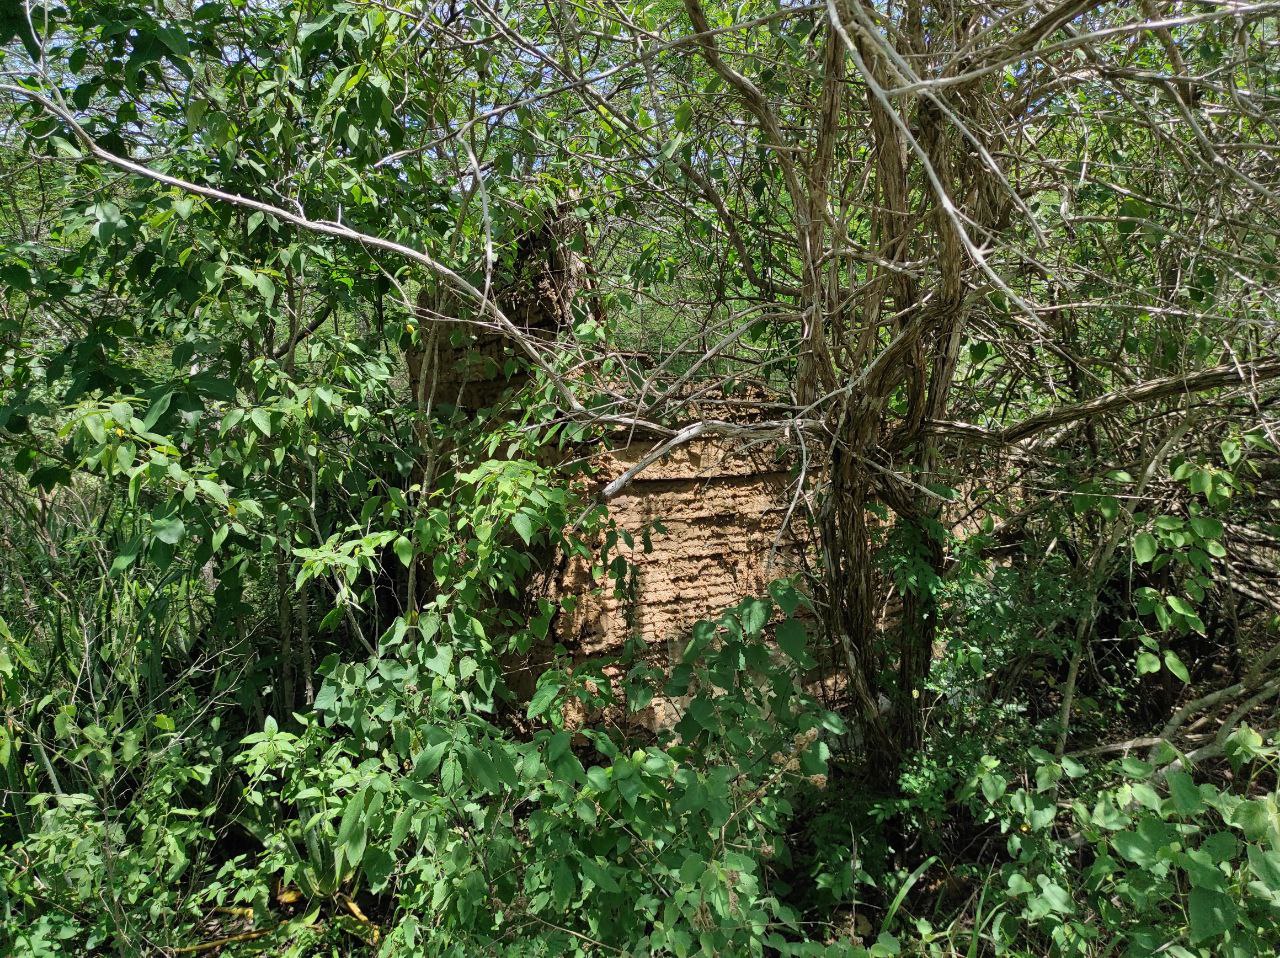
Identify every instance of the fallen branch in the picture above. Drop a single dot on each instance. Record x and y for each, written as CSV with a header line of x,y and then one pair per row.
x,y
223,942
679,439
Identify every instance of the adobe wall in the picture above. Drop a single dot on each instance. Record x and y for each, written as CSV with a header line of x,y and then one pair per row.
x,y
721,509
722,512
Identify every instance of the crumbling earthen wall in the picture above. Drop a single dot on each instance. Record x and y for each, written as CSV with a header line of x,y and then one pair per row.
x,y
721,509
712,514
722,512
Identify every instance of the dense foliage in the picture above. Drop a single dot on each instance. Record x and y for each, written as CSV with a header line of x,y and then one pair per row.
x,y
282,668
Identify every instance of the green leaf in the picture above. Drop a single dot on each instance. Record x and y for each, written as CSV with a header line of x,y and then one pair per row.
x,y
563,885
108,222
1055,896
1220,846
755,613
378,866
993,787
886,946
543,697
428,760
591,870
451,774
1185,793
524,526
786,596
351,817
357,843
1136,767
1018,884
1073,768
505,768
173,38
1174,665
157,409
1207,527
1266,866
261,418
1212,914
1144,548
404,550
126,556
558,745
1135,847
266,286
213,491
400,828
439,660
169,531
1259,819
792,638
482,768
1147,663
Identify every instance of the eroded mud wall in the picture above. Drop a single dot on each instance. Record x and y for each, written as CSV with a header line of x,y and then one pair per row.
x,y
722,513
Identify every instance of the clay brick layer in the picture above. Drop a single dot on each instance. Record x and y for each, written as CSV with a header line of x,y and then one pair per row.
x,y
721,513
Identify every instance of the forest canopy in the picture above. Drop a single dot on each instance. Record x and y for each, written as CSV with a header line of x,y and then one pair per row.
x,y
329,331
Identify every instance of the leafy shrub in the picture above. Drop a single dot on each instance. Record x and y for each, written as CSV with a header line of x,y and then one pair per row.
x,y
567,840
1158,864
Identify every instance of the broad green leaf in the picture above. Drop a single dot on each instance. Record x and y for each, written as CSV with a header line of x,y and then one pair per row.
x,y
542,698
169,530
1136,767
524,526
404,550
400,827
261,418
1259,820
792,638
1265,865
1185,793
1211,912
428,760
439,659
1135,847
1144,548
1174,665
1207,527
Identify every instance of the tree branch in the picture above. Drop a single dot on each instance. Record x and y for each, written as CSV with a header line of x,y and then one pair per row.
x,y
1216,377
